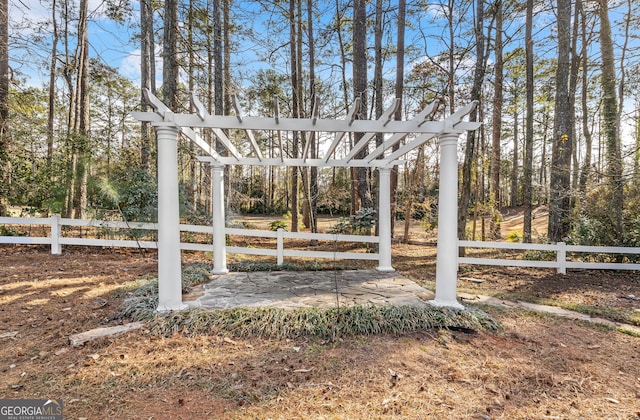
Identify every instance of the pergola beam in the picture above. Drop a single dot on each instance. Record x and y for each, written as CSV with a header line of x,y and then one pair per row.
x,y
384,119
309,135
319,163
252,138
166,114
351,116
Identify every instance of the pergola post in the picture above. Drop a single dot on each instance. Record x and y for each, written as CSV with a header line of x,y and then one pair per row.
x,y
219,237
169,259
384,220
447,250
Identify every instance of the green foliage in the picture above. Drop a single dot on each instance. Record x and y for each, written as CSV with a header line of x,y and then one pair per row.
x,y
515,236
360,223
342,227
279,224
326,323
594,225
5,231
132,190
289,216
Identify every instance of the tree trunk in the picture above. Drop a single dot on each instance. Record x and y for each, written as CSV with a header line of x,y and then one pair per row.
x,y
360,91
402,15
81,141
313,204
560,187
478,80
496,133
4,106
586,130
170,68
513,201
527,187
146,47
295,108
610,121
378,96
52,85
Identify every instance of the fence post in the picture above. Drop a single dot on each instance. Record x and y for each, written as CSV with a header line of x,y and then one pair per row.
x,y
562,258
55,235
280,246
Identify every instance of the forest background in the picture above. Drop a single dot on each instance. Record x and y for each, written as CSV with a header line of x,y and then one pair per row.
x,y
557,82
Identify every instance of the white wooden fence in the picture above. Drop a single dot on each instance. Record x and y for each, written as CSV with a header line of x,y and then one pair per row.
x,y
560,249
56,240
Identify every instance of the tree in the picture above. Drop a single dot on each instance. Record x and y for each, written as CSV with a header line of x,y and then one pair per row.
x,y
52,83
560,188
496,132
4,103
313,188
610,120
147,75
469,154
527,188
399,94
295,103
170,69
360,91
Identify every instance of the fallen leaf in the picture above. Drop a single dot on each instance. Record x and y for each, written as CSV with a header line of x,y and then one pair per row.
x,y
303,370
612,400
10,334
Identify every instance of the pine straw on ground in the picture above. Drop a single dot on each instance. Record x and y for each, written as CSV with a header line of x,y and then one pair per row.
x,y
536,367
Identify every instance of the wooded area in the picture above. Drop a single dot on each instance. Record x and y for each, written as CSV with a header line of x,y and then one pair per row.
x,y
558,85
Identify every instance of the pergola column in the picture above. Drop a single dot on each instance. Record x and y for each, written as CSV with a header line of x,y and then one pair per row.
x,y
219,238
447,250
384,220
169,259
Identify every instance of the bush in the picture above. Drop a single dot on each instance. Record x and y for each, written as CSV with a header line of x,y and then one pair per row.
x,y
279,224
362,222
515,236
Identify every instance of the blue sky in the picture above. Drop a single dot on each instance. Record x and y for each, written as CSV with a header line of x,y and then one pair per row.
x,y
28,53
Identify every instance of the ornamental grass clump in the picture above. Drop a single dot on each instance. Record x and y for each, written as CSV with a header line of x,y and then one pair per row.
x,y
325,323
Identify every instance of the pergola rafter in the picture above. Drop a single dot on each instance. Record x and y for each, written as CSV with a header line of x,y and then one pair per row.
x,y
422,126
415,132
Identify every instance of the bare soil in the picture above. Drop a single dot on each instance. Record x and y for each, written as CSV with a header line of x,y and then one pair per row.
x,y
538,367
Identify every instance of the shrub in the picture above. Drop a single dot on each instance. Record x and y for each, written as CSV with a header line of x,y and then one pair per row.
x,y
515,236
278,224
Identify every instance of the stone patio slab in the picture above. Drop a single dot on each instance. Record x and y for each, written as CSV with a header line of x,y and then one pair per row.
x,y
305,289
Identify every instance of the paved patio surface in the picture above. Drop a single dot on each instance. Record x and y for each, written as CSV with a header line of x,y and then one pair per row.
x,y
300,289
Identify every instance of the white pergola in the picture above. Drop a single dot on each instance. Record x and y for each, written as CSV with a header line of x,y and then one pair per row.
x,y
416,131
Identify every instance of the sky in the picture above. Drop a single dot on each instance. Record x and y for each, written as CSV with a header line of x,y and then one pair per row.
x,y
29,51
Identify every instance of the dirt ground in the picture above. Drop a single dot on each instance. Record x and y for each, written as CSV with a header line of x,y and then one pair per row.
x,y
538,367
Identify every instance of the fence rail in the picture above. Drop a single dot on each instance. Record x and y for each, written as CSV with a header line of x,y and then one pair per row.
x,y
56,239
561,250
